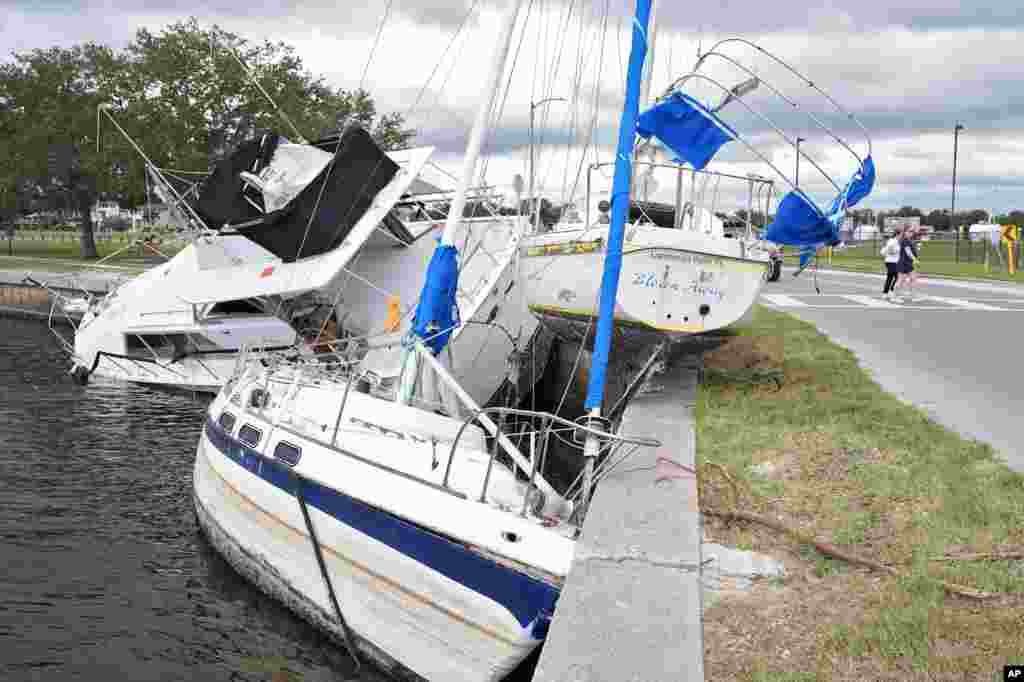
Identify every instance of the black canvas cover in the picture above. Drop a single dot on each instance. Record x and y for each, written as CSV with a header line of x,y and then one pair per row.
x,y
302,228
662,215
221,201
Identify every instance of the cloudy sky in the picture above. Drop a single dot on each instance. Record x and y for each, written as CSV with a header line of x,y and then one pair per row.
x,y
908,74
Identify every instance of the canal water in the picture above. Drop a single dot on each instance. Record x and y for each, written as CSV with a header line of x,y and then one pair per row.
x,y
103,572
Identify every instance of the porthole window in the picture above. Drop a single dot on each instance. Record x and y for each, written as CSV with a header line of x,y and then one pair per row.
x,y
288,453
249,435
226,421
258,398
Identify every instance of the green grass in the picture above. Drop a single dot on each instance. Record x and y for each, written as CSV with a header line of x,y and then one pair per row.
x,y
938,258
64,255
873,475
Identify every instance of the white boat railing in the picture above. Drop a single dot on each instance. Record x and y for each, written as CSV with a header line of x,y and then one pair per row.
x,y
550,425
282,374
759,193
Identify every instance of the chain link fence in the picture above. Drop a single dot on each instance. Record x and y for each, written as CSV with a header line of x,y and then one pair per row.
x,y
941,247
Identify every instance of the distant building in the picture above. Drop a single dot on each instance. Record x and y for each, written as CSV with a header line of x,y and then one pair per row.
x,y
892,223
982,231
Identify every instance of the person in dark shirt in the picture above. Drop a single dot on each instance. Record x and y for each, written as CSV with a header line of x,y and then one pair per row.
x,y
908,263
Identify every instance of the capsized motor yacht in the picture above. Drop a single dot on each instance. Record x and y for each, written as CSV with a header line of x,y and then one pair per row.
x,y
311,243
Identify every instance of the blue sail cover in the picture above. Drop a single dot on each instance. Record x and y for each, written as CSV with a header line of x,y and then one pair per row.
x,y
437,313
798,222
685,126
860,186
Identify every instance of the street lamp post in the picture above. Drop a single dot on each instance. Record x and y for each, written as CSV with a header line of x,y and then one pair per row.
x,y
534,205
952,202
798,141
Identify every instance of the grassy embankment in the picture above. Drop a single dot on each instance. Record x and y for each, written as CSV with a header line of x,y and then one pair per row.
x,y
65,254
853,466
937,258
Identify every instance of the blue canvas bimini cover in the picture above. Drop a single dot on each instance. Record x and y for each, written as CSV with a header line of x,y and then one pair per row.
x,y
437,313
860,186
798,222
685,126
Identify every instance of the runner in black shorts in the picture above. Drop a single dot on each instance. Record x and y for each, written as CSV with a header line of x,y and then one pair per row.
x,y
908,259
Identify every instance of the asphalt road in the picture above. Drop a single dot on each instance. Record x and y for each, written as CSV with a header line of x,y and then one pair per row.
x,y
958,353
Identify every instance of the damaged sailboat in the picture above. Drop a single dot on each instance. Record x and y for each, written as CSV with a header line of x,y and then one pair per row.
x,y
421,535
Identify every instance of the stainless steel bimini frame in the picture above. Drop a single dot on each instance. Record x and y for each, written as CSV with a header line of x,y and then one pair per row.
x,y
732,94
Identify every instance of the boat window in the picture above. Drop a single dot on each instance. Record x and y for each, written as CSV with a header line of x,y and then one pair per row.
x,y
162,345
167,345
226,421
258,398
237,307
288,453
250,435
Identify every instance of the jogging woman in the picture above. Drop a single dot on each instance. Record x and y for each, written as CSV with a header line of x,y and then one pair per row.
x,y
891,252
908,261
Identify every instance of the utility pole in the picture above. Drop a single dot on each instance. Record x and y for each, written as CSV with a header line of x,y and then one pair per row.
x,y
952,202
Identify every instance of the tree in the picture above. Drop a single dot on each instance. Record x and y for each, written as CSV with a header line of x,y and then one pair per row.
x,y
50,98
937,219
178,93
909,212
1014,217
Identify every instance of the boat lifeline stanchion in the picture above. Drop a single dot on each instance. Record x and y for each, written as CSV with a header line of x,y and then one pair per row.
x,y
323,571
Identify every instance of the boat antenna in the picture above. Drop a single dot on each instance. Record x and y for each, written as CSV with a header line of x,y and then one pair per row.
x,y
613,256
252,79
104,107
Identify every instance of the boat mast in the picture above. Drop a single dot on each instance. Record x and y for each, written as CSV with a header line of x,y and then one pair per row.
x,y
479,130
613,256
645,87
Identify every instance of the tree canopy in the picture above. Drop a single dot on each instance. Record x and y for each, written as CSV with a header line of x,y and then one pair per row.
x,y
179,93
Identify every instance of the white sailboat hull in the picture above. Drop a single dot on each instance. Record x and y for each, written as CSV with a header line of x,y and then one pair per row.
x,y
416,570
673,283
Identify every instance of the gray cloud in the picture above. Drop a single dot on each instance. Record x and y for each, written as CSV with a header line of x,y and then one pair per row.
x,y
910,72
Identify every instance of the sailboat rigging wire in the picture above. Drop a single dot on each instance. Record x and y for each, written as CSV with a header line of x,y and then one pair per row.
x,y
499,114
440,59
574,109
778,94
808,82
552,76
256,83
436,106
596,104
183,172
376,42
105,108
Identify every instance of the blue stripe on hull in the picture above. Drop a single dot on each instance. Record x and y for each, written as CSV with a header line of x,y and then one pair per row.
x,y
531,601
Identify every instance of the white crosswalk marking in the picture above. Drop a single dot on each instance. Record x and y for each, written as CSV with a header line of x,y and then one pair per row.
x,y
869,301
962,303
783,300
923,302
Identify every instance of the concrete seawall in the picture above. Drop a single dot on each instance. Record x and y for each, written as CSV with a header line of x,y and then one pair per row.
x,y
631,607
